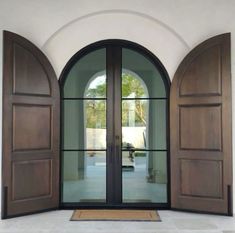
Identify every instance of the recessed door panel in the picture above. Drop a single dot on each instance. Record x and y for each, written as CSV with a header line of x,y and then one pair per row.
x,y
29,75
198,79
28,180
193,122
201,178
31,127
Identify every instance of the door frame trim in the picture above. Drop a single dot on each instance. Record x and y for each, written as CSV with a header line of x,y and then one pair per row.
x,y
167,83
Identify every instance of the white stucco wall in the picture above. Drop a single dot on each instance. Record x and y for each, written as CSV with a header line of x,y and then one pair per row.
x,y
168,28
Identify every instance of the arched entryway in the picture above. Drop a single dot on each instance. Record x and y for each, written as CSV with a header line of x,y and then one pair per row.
x,y
114,97
131,173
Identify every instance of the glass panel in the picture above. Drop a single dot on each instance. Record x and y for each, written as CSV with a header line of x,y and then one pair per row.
x,y
84,176
97,87
84,124
144,124
87,78
133,86
144,176
140,78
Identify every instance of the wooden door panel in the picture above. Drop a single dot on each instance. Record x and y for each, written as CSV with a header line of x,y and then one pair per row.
x,y
29,182
198,79
194,120
201,178
200,123
29,76
30,129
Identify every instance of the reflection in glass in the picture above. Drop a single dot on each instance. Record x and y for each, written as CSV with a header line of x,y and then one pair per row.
x,y
84,176
140,70
87,78
95,130
132,85
144,176
144,123
144,105
84,124
97,86
84,130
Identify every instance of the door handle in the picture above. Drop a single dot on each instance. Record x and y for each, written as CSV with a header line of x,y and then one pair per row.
x,y
110,152
118,157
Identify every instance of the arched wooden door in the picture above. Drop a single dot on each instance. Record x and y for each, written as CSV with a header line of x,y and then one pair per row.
x,y
31,109
200,124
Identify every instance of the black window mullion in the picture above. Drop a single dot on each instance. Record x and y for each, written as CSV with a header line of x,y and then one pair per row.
x,y
139,98
136,149
110,127
114,169
84,149
118,122
84,99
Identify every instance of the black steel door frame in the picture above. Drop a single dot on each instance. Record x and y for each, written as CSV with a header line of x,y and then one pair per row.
x,y
114,127
114,134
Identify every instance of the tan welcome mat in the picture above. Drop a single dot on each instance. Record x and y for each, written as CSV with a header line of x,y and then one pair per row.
x,y
116,215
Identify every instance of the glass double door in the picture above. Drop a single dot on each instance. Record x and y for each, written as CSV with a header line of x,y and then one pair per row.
x,y
114,127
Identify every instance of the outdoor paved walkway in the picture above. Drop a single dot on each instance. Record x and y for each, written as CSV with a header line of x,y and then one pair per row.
x,y
172,221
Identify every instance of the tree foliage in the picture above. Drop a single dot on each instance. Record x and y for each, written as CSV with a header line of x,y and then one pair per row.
x,y
131,87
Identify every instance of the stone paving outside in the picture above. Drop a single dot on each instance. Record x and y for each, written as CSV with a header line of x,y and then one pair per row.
x,y
172,221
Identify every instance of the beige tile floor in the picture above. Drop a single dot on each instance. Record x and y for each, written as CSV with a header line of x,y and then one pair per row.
x,y
172,221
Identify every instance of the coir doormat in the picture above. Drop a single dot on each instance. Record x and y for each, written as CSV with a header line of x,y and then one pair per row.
x,y
116,215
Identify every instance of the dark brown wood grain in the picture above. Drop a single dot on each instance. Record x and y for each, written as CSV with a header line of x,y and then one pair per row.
x,y
206,175
208,131
200,123
31,127
203,75
31,108
29,76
